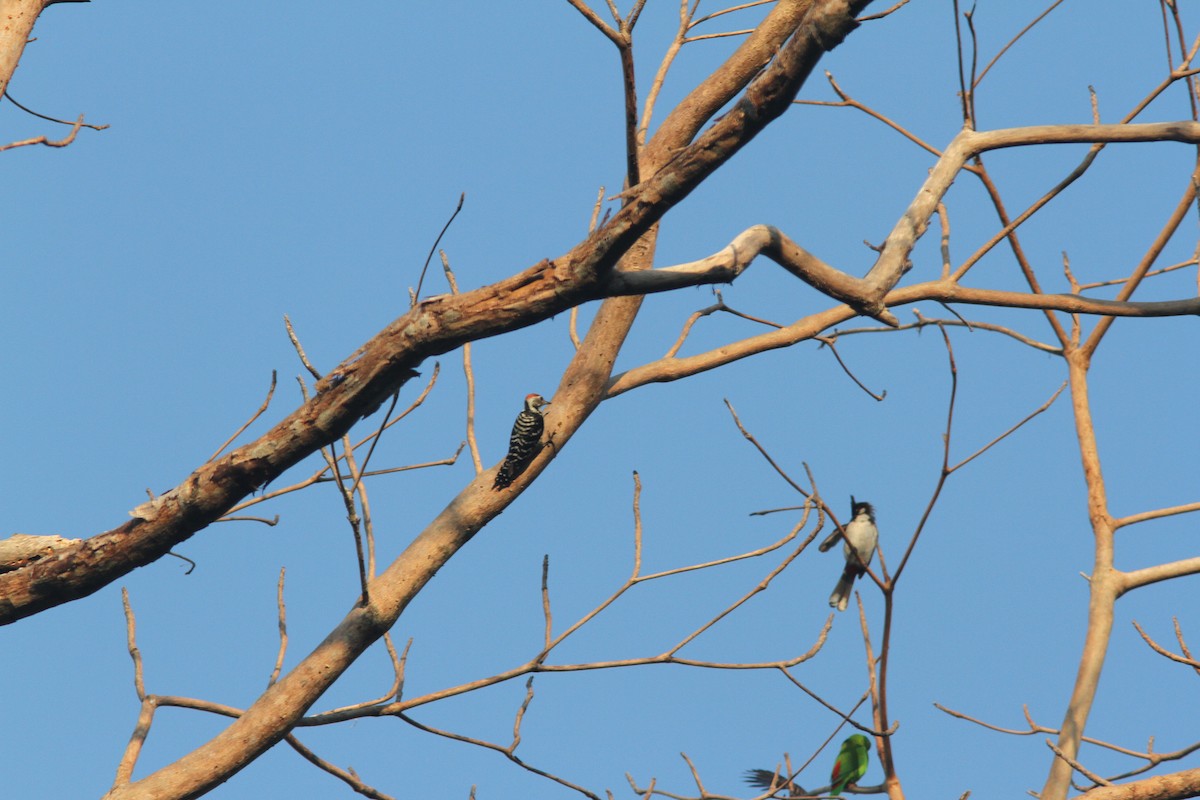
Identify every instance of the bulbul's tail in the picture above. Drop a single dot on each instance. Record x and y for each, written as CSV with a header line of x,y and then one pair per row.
x,y
840,598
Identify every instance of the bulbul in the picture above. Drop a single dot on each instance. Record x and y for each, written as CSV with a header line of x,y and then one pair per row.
x,y
860,536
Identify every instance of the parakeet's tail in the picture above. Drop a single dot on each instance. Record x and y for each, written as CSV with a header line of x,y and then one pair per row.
x,y
766,779
840,598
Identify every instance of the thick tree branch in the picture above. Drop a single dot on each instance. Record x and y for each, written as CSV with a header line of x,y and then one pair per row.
x,y
1176,786
22,549
19,17
1158,513
1105,583
728,264
1159,572
893,258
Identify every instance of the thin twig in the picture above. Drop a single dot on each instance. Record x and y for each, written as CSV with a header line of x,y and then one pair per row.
x,y
146,711
63,142
847,101
191,564
877,671
352,517
963,94
945,471
393,694
417,292
321,477
546,615
664,66
383,425
270,522
1153,759
831,343
969,16
723,35
633,170
762,451
283,635
884,13
505,751
291,332
520,716
30,111
762,585
1180,212
720,305
468,372
1075,765
1013,41
249,422
944,221
573,317
924,322
1162,651
139,680
1179,637
346,776
1011,430
730,10
1191,262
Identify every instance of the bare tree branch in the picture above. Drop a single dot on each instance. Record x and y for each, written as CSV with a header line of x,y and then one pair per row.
x,y
1159,572
1162,651
1176,786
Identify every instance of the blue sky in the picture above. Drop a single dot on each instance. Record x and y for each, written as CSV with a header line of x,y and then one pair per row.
x,y
262,162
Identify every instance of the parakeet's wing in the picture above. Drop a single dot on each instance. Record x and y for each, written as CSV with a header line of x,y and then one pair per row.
x,y
840,775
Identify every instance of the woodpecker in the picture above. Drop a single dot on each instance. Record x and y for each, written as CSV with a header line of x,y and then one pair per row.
x,y
524,442
860,536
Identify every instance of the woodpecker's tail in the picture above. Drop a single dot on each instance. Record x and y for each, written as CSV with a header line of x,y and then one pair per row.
x,y
505,475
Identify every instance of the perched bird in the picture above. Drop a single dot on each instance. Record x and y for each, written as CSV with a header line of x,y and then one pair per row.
x,y
525,441
851,762
775,781
859,539
850,766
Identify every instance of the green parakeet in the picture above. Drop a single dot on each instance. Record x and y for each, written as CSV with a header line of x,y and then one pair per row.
x,y
851,763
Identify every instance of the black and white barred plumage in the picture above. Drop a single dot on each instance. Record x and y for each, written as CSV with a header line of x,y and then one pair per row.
x,y
525,441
